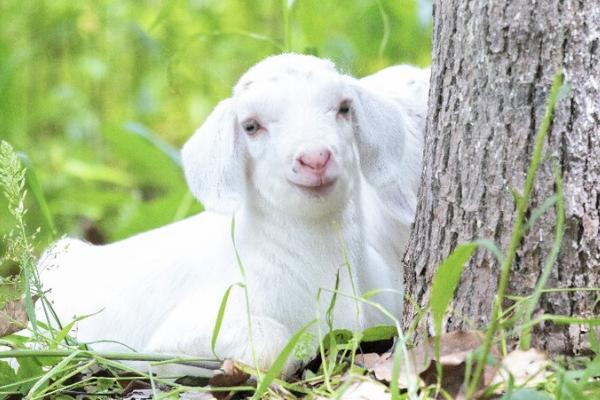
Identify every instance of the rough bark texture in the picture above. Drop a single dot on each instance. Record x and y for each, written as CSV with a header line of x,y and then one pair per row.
x,y
493,63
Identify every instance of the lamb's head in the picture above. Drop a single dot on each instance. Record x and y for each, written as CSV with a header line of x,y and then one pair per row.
x,y
294,115
288,139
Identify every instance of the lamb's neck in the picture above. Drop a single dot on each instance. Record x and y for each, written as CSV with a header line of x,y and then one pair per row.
x,y
320,242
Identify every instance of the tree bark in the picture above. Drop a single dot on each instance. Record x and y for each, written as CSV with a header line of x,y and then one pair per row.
x,y
493,64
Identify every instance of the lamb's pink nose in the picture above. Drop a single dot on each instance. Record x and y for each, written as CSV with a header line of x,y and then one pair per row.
x,y
314,161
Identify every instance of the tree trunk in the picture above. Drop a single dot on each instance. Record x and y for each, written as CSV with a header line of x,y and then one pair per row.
x,y
493,64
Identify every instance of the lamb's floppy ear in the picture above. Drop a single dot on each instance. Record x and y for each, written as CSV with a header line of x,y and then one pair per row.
x,y
389,143
214,162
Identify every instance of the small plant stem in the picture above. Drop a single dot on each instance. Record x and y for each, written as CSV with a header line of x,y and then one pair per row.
x,y
58,382
152,383
412,380
27,272
326,377
35,188
385,21
563,320
518,232
247,298
58,368
525,337
287,9
347,265
194,362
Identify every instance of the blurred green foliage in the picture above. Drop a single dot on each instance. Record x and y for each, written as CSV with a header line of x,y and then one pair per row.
x,y
99,95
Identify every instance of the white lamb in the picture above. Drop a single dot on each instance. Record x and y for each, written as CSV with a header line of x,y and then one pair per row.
x,y
320,171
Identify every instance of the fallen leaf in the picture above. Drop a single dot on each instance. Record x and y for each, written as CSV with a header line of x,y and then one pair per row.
x,y
366,390
455,348
136,385
527,367
368,360
359,387
13,317
228,375
418,360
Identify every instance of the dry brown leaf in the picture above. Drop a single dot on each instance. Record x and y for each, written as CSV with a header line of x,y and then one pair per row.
x,y
368,360
13,317
454,350
528,367
456,346
383,369
136,385
228,375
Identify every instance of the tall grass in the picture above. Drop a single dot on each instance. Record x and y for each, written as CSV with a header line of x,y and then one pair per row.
x,y
19,241
518,232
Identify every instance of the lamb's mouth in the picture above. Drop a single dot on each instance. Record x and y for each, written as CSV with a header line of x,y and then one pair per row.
x,y
319,188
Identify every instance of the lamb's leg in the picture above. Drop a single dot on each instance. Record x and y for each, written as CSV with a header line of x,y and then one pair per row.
x,y
192,337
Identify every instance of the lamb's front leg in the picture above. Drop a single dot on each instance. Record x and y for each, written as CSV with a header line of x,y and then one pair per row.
x,y
190,335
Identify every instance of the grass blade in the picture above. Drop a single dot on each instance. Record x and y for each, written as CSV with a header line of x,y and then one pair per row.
x,y
62,334
58,368
518,230
280,361
155,140
329,312
491,246
444,283
246,297
538,212
184,206
594,342
286,6
241,33
219,321
35,189
525,339
446,280
394,389
385,21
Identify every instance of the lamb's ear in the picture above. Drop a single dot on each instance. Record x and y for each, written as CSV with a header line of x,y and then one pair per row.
x,y
214,162
389,143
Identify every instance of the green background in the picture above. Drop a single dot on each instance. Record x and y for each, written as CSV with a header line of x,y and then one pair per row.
x,y
99,95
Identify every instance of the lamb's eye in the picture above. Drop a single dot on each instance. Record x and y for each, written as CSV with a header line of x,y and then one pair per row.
x,y
250,126
344,108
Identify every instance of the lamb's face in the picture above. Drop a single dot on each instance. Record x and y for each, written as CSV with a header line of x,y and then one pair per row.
x,y
298,135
